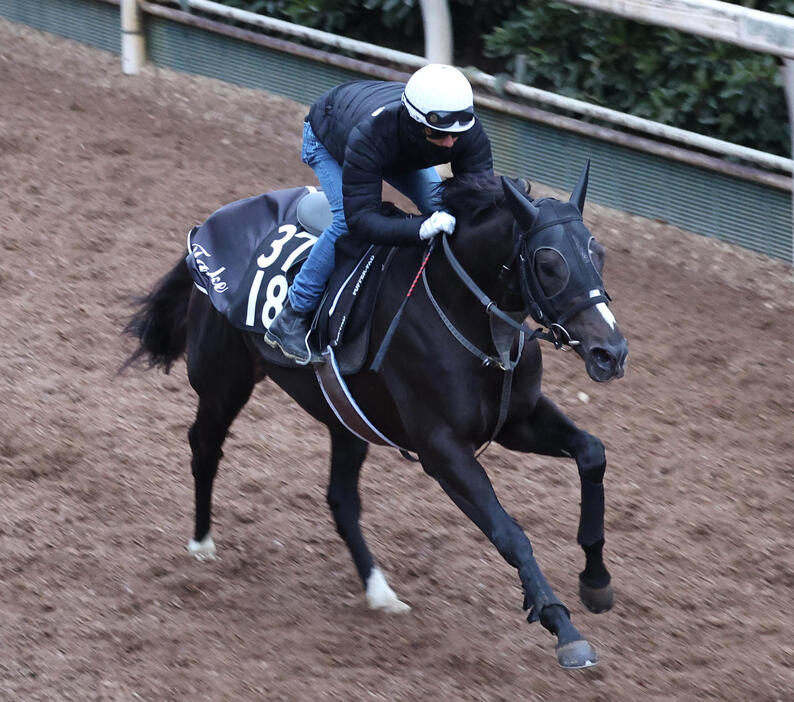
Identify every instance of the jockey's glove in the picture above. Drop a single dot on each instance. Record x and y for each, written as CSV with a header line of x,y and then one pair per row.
x,y
435,224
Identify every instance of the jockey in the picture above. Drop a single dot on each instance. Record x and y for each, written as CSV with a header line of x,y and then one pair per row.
x,y
356,136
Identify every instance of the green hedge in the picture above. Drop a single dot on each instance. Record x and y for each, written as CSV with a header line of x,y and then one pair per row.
x,y
705,86
685,81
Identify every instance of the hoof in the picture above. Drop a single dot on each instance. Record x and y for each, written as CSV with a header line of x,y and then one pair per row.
x,y
203,550
576,654
597,599
392,606
381,597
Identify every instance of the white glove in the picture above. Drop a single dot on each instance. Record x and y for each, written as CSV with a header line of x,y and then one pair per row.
x,y
437,222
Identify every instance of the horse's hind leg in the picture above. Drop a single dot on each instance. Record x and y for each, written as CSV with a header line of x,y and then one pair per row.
x,y
347,455
549,432
221,371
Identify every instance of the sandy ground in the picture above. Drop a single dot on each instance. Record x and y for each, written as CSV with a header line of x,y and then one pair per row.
x,y
100,177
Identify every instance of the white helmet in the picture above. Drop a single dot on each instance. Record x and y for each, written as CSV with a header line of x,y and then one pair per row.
x,y
440,97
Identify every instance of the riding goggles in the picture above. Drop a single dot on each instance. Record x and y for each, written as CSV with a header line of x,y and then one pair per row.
x,y
445,120
442,119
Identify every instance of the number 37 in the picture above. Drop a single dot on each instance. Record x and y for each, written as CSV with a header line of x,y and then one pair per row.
x,y
276,291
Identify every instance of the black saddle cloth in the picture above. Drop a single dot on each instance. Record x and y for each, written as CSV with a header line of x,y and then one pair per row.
x,y
242,255
247,252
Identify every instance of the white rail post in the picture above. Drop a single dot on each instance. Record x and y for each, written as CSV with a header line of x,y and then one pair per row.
x,y
723,21
132,44
788,84
438,31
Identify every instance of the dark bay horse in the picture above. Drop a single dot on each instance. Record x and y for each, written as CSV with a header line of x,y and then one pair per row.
x,y
440,391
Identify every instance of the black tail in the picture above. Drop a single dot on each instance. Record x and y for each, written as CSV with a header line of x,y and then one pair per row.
x,y
160,324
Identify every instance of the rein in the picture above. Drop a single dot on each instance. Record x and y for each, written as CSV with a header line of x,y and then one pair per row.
x,y
488,303
384,345
503,342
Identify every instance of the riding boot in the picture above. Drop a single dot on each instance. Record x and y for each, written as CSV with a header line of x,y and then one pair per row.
x,y
289,332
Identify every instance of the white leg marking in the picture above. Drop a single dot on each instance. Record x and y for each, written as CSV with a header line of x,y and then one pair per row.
x,y
381,596
203,550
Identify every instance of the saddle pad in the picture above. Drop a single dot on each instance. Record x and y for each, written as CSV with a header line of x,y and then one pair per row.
x,y
345,312
344,316
242,255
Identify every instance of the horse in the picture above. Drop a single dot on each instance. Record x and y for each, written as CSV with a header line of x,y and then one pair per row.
x,y
462,368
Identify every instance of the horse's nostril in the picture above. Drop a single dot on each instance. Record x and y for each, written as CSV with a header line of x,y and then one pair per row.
x,y
602,357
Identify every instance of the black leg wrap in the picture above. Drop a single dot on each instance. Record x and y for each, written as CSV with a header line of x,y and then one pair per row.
x,y
591,522
537,592
595,574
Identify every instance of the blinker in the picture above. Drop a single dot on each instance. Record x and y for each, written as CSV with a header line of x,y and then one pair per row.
x,y
557,226
570,239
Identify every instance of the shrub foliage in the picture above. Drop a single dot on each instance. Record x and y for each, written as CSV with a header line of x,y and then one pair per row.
x,y
672,77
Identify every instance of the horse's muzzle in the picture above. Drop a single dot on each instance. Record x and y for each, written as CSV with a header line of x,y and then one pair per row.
x,y
606,363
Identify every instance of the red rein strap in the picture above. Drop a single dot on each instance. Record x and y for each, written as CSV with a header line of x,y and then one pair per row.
x,y
422,267
384,345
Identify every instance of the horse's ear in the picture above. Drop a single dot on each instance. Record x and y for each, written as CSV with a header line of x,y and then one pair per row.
x,y
580,191
521,207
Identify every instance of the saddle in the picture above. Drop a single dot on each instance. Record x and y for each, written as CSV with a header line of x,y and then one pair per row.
x,y
246,254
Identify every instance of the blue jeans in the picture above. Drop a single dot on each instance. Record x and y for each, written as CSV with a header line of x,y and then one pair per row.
x,y
308,287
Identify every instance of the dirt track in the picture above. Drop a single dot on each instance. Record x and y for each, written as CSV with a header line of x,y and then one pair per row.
x,y
100,177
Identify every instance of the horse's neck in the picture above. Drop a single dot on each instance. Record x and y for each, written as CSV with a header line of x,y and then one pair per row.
x,y
481,251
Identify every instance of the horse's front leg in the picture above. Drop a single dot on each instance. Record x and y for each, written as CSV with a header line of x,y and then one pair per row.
x,y
549,432
462,477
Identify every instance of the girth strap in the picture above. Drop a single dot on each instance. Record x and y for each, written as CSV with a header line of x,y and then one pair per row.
x,y
347,411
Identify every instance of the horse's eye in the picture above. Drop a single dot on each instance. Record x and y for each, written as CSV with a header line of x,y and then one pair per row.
x,y
551,270
597,255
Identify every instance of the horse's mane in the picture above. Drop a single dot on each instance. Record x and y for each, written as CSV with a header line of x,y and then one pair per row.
x,y
473,195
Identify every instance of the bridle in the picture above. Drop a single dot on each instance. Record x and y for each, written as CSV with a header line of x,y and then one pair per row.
x,y
553,313
536,304
491,308
504,340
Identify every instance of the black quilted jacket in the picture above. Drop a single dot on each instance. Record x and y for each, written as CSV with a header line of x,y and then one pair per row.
x,y
373,144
